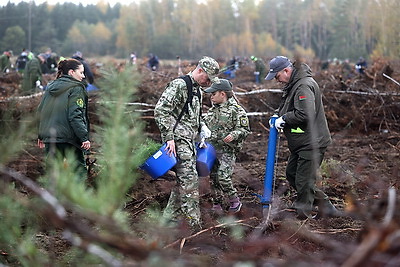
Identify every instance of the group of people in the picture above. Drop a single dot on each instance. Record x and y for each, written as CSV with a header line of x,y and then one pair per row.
x,y
301,117
182,125
32,67
233,65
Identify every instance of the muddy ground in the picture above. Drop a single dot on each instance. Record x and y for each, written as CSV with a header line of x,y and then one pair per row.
x,y
360,166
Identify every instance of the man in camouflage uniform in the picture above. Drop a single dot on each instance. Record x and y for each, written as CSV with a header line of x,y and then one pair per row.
x,y
229,127
184,199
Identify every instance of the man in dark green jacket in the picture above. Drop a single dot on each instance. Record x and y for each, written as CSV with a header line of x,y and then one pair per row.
x,y
260,69
32,75
5,63
302,118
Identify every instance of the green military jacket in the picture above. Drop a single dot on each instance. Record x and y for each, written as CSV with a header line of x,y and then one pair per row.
x,y
227,118
63,112
5,63
306,127
170,105
32,73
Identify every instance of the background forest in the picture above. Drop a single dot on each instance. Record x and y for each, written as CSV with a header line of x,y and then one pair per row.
x,y
220,28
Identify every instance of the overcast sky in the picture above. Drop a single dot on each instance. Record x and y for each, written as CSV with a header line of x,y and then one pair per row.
x,y
53,2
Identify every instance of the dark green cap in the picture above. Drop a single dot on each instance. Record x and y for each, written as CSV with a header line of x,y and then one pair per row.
x,y
223,85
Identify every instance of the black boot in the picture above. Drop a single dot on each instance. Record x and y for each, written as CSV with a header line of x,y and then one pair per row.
x,y
327,210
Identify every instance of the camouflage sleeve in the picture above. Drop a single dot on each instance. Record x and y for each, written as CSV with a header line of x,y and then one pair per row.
x,y
168,108
242,128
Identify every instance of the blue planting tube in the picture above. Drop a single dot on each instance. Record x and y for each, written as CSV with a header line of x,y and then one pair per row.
x,y
270,164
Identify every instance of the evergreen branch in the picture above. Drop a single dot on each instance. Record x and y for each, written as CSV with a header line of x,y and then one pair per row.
x,y
57,214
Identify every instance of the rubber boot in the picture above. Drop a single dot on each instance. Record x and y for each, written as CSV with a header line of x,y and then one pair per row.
x,y
326,210
236,205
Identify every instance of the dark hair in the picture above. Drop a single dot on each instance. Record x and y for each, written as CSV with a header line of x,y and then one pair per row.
x,y
67,64
229,94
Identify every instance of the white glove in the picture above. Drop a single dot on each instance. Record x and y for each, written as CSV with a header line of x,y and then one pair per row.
x,y
279,123
203,143
270,123
37,83
205,132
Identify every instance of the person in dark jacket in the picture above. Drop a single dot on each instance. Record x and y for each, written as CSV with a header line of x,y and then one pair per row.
x,y
88,72
259,69
302,118
33,74
5,63
153,62
21,61
63,115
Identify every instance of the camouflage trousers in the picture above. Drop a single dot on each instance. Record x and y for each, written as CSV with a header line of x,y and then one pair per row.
x,y
221,177
184,198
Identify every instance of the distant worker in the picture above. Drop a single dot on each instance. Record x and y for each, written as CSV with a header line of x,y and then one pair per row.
x,y
229,126
44,67
259,70
133,58
88,72
33,74
21,61
231,66
153,62
5,62
361,65
51,61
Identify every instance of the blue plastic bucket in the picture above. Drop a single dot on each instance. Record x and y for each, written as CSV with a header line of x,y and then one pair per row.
x,y
159,163
205,159
91,87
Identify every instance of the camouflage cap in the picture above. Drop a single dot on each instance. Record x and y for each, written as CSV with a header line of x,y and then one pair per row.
x,y
223,85
211,67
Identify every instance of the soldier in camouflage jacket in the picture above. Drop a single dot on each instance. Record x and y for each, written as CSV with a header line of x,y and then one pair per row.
x,y
184,199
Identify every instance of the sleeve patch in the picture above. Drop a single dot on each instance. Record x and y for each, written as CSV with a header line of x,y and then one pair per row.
x,y
79,102
244,121
302,97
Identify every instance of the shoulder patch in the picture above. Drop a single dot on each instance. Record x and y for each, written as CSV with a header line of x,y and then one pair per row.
x,y
244,121
302,97
79,102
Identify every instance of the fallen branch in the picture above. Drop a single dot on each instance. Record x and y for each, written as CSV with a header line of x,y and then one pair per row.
x,y
390,78
367,93
259,91
183,240
13,98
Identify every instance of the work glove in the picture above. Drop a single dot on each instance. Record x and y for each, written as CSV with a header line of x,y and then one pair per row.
x,y
37,83
279,123
205,132
202,143
270,123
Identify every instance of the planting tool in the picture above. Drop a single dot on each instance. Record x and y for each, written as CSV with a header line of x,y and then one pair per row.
x,y
266,198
